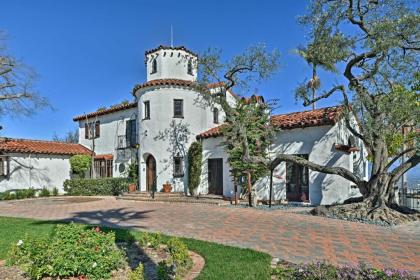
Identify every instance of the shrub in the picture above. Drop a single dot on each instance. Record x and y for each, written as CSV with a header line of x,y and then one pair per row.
x,y
163,272
137,274
25,193
178,253
323,270
9,196
44,192
80,164
195,157
72,250
55,191
101,186
18,194
150,239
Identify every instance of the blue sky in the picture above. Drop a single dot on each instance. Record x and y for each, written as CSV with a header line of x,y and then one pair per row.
x,y
90,54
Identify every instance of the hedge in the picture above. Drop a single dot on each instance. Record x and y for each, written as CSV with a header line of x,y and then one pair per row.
x,y
195,157
101,186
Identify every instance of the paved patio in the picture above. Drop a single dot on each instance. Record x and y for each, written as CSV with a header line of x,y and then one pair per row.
x,y
284,234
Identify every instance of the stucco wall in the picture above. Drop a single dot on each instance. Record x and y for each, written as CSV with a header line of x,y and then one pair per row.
x,y
37,171
164,136
212,149
318,143
111,126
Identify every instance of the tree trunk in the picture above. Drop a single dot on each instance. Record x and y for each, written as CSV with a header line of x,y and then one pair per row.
x,y
249,189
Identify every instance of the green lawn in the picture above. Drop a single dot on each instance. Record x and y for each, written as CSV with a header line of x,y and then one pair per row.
x,y
222,262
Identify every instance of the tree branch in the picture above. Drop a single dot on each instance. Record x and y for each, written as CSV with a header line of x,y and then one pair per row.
x,y
399,156
14,96
403,168
340,171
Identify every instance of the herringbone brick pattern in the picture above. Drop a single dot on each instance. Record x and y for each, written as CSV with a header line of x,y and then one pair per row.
x,y
289,236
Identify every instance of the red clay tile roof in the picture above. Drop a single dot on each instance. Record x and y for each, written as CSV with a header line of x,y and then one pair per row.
x,y
179,83
318,117
216,85
10,145
212,132
162,47
346,148
166,82
104,156
113,109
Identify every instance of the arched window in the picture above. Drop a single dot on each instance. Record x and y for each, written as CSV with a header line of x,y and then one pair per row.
x,y
190,67
154,66
215,115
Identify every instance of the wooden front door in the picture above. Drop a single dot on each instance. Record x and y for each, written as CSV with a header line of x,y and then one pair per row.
x,y
150,173
215,176
297,182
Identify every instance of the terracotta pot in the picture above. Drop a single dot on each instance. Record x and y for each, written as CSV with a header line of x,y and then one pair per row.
x,y
132,188
167,188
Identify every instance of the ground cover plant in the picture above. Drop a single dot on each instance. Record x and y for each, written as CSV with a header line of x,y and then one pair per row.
x,y
28,193
326,271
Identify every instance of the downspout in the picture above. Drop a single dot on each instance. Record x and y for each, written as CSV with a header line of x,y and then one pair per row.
x,y
30,170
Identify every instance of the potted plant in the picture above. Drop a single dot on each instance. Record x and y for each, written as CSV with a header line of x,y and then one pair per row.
x,y
132,187
133,175
167,187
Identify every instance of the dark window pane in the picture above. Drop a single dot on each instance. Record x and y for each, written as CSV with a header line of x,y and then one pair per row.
x,y
215,115
178,108
154,66
190,68
147,110
178,167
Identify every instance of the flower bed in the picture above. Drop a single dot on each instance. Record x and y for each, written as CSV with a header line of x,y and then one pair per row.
x,y
76,251
326,271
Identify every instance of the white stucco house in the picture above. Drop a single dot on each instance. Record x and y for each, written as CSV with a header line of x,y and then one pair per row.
x,y
169,113
36,163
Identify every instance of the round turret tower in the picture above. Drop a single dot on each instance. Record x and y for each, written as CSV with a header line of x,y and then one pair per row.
x,y
171,113
171,63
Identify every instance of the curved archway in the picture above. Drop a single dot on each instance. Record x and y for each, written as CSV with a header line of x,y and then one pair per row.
x,y
150,173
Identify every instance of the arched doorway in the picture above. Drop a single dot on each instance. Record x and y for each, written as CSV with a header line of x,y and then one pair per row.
x,y
150,173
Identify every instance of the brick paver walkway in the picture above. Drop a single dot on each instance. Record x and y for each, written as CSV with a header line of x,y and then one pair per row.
x,y
289,236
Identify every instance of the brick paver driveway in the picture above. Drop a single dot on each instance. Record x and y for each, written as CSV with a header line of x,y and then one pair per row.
x,y
289,236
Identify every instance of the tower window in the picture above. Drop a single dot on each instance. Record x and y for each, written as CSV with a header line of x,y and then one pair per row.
x,y
178,108
146,110
215,115
154,66
190,67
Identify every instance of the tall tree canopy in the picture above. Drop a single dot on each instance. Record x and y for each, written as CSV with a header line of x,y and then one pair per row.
x,y
17,94
374,45
247,127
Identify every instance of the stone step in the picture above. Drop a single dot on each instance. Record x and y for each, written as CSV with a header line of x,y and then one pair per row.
x,y
174,200
157,194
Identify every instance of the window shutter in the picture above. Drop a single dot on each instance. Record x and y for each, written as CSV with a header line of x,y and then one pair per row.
x,y
2,169
97,129
86,131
